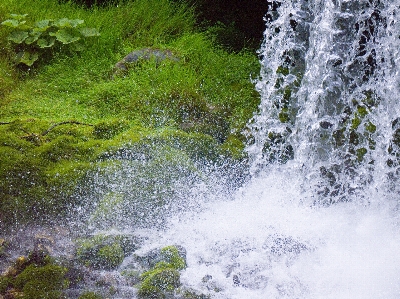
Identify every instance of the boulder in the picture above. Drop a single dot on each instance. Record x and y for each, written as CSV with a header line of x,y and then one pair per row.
x,y
144,54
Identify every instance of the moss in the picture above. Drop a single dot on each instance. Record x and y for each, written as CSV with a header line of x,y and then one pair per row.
x,y
355,123
284,115
108,209
90,295
42,282
172,258
192,294
110,256
360,153
282,70
5,284
164,277
34,277
362,111
107,130
105,252
68,148
234,147
370,127
157,282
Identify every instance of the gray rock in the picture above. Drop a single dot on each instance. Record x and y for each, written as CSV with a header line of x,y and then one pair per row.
x,y
136,56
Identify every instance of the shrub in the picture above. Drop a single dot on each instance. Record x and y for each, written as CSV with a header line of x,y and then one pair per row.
x,y
40,38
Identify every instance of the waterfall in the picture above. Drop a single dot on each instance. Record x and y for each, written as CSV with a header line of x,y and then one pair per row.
x,y
329,85
319,216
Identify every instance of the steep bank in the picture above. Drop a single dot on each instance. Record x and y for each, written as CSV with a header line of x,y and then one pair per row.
x,y
65,115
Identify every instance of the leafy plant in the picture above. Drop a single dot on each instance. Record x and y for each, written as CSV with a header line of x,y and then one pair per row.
x,y
41,37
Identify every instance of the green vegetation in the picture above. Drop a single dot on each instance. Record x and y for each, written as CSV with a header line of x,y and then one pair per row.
x,y
65,115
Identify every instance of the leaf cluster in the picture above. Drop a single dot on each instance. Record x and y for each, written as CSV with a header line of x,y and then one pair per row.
x,y
41,37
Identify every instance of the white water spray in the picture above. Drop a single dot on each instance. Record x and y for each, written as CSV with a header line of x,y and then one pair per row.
x,y
319,217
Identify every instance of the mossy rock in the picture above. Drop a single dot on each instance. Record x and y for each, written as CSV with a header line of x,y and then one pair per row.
x,y
185,293
90,295
38,177
234,147
105,251
163,277
174,257
5,284
108,129
135,57
42,282
158,282
34,277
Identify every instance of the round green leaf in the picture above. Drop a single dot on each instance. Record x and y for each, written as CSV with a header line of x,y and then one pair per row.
x,y
18,36
87,32
62,23
77,22
10,23
46,43
66,36
67,23
27,58
33,36
42,25
18,17
78,47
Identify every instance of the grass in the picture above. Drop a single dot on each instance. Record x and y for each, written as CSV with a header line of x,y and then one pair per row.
x,y
206,92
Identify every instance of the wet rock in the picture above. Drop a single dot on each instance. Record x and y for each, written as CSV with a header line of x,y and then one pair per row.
x,y
236,280
325,125
106,251
210,284
144,54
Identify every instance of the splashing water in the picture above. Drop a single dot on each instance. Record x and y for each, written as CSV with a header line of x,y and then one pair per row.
x,y
319,217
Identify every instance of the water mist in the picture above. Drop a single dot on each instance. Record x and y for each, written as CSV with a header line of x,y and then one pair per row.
x,y
319,216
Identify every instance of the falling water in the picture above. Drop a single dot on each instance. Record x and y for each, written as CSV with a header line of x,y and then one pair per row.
x,y
319,217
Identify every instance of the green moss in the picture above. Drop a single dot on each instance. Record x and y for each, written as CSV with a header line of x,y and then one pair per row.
x,y
355,123
171,256
370,127
5,283
110,256
284,115
104,252
107,130
234,146
164,277
192,294
155,283
282,70
41,282
90,295
362,111
360,153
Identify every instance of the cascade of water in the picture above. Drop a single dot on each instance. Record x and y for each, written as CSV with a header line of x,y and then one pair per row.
x,y
329,74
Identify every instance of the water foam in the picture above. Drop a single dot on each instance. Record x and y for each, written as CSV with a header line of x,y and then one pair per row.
x,y
266,243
